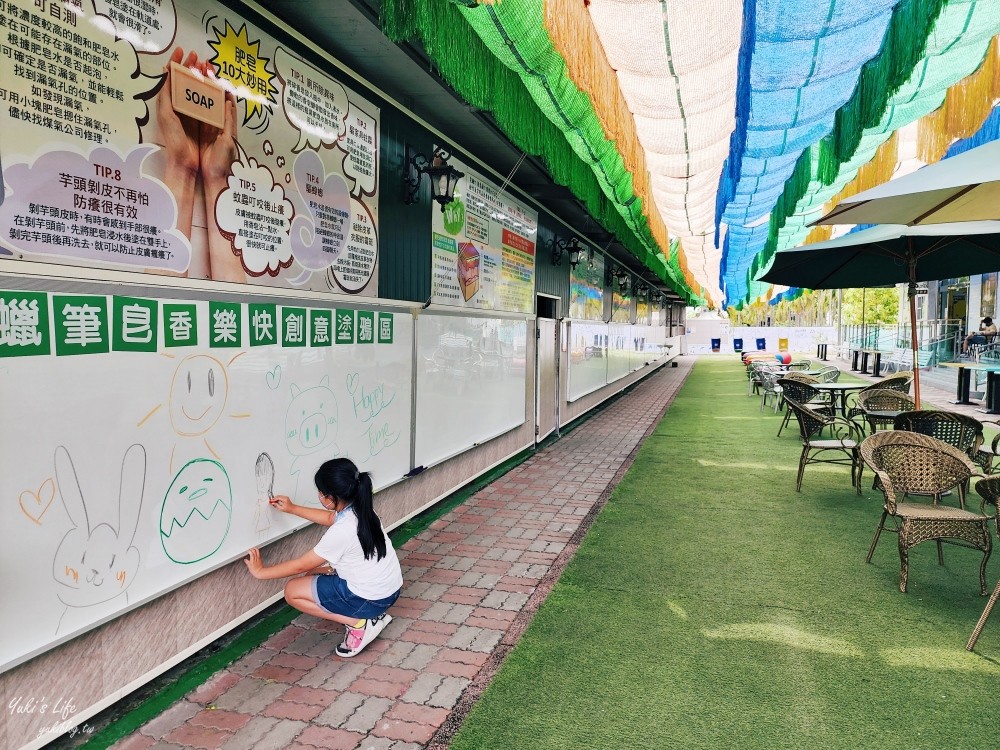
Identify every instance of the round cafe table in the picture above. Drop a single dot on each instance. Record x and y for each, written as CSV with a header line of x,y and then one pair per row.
x,y
885,417
833,389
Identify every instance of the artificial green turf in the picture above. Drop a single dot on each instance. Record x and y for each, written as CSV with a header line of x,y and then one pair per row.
x,y
712,606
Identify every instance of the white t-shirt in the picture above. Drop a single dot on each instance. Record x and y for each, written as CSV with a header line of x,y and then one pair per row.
x,y
370,579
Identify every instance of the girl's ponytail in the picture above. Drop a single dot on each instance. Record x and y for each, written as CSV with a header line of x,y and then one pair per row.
x,y
341,479
369,526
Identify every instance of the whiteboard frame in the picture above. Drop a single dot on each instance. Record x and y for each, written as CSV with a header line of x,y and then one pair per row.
x,y
448,311
637,360
194,648
61,279
50,277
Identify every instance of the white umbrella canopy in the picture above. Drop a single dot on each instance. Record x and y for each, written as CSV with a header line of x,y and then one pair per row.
x,y
963,188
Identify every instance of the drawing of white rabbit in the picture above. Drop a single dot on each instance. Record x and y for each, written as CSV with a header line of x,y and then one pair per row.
x,y
96,561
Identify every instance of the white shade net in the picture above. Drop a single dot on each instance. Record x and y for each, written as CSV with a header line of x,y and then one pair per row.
x,y
676,66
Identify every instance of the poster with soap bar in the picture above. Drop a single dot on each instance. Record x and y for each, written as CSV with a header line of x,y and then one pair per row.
x,y
483,248
176,138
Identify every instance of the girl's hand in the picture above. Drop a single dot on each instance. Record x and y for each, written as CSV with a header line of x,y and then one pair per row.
x,y
217,146
179,132
254,564
283,503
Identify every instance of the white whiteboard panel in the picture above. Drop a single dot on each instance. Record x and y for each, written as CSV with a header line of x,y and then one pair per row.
x,y
129,473
648,344
471,380
619,351
588,365
601,353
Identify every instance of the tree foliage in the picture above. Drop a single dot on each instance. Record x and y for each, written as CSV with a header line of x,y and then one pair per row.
x,y
880,306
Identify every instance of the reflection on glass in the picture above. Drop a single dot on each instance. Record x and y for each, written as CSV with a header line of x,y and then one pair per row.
x,y
621,310
989,298
586,289
642,314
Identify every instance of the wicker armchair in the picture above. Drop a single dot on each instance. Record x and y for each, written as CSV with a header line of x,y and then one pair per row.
x,y
801,377
900,381
958,430
907,463
799,388
751,371
988,452
754,373
828,374
879,400
841,448
800,364
989,491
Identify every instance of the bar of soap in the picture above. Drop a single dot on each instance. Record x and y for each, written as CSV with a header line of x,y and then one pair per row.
x,y
196,96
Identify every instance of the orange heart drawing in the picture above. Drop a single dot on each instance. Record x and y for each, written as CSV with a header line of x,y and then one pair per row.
x,y
35,504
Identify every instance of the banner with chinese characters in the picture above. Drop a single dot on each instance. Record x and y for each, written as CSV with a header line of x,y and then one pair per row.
x,y
42,323
148,434
483,248
173,137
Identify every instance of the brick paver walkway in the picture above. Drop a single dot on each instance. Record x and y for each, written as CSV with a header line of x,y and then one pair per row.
x,y
473,580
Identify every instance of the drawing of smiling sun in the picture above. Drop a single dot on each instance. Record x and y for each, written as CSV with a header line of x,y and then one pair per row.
x,y
198,395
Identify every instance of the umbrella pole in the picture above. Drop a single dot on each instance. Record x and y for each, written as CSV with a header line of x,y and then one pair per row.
x,y
911,293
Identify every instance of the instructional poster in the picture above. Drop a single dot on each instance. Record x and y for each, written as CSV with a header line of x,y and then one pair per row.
x,y
172,137
483,248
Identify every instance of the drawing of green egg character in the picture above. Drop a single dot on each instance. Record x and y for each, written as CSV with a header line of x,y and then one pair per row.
x,y
197,511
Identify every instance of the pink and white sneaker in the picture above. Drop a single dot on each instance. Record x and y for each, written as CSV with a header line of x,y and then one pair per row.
x,y
357,638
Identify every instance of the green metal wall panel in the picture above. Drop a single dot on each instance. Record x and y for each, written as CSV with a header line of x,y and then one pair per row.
x,y
405,243
550,279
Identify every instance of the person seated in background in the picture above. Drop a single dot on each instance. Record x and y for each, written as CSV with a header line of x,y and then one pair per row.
x,y
987,331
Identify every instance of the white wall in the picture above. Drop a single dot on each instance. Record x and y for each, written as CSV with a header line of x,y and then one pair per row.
x,y
801,340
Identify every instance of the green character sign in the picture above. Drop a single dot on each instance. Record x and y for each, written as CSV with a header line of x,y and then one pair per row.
x,y
454,217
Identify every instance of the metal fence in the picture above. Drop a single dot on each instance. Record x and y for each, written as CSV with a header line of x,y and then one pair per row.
x,y
940,337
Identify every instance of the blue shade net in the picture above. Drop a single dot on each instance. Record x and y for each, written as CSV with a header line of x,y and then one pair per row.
x,y
799,64
955,48
990,131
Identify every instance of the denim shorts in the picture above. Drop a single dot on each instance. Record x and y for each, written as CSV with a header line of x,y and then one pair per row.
x,y
332,594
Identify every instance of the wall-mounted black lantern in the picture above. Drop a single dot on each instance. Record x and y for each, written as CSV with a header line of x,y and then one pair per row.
x,y
558,247
622,277
444,177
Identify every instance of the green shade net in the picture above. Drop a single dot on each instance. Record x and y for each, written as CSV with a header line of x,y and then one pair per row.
x,y
501,60
675,256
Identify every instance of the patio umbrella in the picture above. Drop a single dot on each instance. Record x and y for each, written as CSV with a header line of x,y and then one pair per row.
x,y
963,188
891,254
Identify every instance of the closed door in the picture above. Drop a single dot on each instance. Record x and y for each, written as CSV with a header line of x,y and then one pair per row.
x,y
547,379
